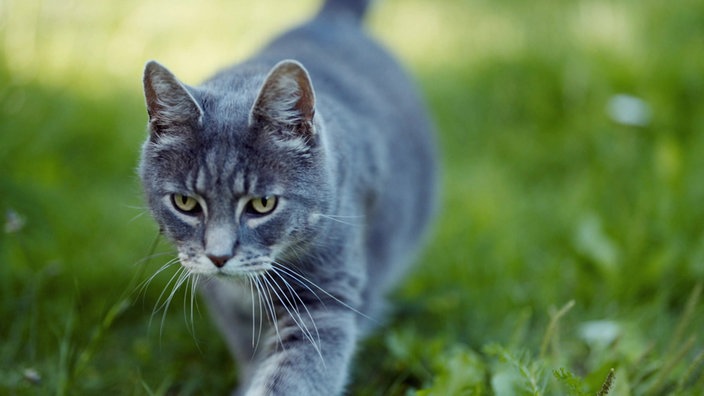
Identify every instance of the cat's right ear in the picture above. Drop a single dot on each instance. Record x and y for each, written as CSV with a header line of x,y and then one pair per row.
x,y
169,104
286,99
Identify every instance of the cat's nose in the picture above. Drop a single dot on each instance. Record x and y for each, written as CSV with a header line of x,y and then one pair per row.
x,y
219,261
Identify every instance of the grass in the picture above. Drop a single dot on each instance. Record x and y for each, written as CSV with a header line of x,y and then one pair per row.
x,y
568,258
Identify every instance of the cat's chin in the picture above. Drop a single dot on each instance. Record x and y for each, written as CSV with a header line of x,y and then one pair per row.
x,y
242,272
231,269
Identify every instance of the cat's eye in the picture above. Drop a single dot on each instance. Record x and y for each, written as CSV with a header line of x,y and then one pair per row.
x,y
262,206
186,204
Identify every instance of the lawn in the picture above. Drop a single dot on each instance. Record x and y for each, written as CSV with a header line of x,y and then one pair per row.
x,y
568,256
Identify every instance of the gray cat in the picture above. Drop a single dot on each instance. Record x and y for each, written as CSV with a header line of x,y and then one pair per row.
x,y
294,208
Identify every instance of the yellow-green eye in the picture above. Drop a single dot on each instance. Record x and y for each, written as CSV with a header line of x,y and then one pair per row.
x,y
185,204
262,206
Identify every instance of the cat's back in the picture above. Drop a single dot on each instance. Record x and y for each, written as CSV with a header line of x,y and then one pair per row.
x,y
373,110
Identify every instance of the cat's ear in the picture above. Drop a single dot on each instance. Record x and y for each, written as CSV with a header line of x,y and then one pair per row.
x,y
169,104
286,99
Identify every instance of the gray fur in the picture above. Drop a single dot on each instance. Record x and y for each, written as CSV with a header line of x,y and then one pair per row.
x,y
324,121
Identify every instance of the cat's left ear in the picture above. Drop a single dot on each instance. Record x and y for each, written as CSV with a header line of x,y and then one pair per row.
x,y
171,107
286,99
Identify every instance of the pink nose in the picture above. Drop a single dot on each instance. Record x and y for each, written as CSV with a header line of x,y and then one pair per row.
x,y
219,261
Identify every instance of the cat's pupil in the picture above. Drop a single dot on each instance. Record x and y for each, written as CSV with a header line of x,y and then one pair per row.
x,y
262,206
185,203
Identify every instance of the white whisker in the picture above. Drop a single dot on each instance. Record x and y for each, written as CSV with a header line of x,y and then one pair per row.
x,y
194,289
261,321
269,305
305,307
254,315
302,280
155,255
133,219
183,275
189,302
142,287
182,279
159,305
292,310
280,267
271,289
342,219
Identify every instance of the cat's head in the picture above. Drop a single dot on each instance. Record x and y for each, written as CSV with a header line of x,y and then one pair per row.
x,y
235,176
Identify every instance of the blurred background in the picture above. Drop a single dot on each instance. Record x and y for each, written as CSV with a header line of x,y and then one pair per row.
x,y
571,237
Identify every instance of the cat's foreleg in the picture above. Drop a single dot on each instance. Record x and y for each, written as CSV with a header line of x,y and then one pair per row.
x,y
230,309
308,354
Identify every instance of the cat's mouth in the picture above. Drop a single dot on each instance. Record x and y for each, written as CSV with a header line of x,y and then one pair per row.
x,y
252,269
238,266
229,269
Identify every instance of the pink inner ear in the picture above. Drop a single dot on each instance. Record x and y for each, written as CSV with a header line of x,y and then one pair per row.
x,y
168,102
306,102
287,96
